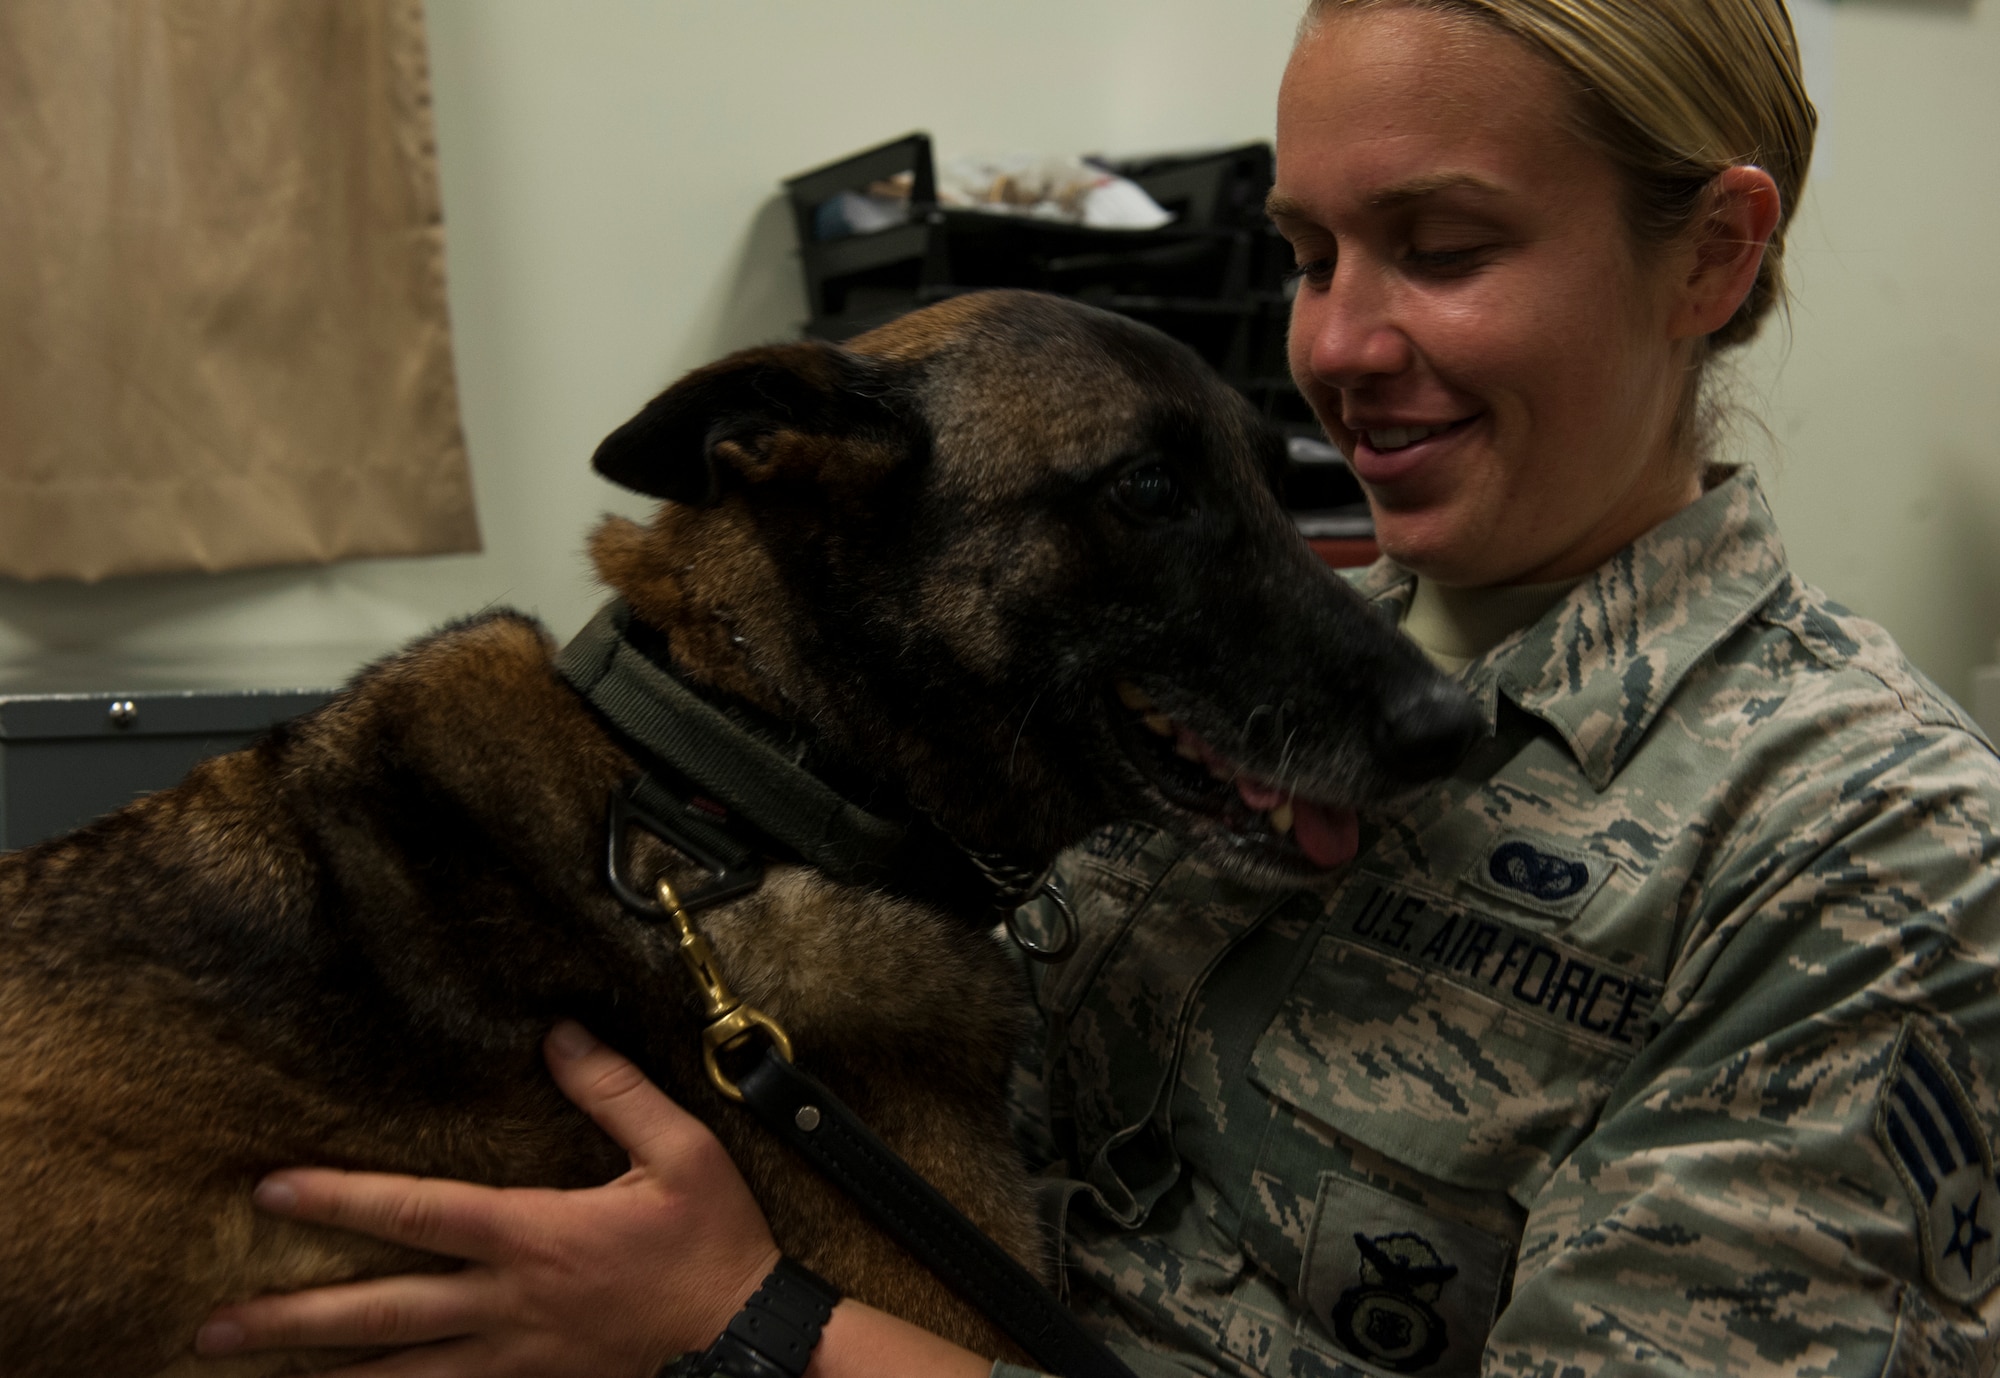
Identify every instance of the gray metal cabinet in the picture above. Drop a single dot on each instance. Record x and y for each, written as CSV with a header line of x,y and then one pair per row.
x,y
69,753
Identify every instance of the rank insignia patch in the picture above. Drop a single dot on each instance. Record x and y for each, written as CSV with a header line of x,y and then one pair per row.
x,y
1926,1123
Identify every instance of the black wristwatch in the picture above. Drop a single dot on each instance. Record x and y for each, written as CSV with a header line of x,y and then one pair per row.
x,y
773,1336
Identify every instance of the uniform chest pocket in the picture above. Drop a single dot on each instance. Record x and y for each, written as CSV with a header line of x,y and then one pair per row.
x,y
1470,1050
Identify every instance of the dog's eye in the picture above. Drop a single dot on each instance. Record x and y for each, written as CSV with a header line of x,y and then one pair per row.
x,y
1149,491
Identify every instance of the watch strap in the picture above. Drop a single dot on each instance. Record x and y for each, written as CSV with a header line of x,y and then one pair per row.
x,y
774,1335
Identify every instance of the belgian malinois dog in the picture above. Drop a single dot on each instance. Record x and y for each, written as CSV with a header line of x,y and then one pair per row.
x,y
1008,567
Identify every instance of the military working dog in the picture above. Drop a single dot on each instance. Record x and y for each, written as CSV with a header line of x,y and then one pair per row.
x,y
1005,570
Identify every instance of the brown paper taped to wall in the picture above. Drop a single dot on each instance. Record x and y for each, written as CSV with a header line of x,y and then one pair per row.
x,y
223,338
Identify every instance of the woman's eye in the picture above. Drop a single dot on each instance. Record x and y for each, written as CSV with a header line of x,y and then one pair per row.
x,y
1445,262
1149,491
1317,271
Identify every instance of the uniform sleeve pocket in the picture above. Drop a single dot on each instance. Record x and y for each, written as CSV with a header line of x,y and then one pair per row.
x,y
1927,1345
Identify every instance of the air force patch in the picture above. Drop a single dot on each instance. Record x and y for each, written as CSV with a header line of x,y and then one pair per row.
x,y
1926,1123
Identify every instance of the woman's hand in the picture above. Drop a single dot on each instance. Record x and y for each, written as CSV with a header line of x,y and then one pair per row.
x,y
606,1281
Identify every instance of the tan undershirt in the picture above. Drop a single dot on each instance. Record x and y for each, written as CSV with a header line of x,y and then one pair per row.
x,y
1454,627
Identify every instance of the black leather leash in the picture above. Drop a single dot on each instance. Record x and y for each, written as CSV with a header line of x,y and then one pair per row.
x,y
798,1109
624,686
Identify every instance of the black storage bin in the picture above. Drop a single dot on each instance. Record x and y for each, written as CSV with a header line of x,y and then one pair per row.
x,y
1214,278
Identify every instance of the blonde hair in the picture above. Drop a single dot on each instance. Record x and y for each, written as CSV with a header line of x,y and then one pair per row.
x,y
1673,92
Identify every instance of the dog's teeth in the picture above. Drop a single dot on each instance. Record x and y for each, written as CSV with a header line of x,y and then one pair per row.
x,y
1281,819
1132,696
1187,749
1159,723
1221,770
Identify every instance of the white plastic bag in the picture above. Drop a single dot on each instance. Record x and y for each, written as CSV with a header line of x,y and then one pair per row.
x,y
1068,190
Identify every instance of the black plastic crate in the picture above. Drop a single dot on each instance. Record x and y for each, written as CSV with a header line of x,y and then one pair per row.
x,y
1210,272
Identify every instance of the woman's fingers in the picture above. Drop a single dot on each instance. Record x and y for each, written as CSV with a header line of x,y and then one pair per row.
x,y
457,1219
717,1244
468,1358
640,1117
453,1359
581,1283
389,1312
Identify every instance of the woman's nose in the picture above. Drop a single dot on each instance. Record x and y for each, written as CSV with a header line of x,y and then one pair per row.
x,y
1351,333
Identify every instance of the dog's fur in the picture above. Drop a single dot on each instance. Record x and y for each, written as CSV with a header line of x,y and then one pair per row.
x,y
344,944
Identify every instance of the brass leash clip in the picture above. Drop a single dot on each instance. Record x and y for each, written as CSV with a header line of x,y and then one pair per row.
x,y
730,1020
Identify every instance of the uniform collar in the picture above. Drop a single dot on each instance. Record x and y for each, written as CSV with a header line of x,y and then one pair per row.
x,y
1600,665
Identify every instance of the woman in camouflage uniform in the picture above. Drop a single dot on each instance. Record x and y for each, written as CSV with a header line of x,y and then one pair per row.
x,y
1662,1036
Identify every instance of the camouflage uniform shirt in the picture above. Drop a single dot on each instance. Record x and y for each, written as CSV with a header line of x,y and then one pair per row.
x,y
1664,1037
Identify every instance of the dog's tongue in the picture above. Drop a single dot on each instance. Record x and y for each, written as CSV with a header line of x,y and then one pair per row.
x,y
1328,836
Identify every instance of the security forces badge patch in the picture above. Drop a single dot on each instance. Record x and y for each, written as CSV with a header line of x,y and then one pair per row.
x,y
1397,1288
1387,1315
1928,1127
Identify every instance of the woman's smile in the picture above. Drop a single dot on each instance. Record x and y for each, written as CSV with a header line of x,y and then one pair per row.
x,y
1387,451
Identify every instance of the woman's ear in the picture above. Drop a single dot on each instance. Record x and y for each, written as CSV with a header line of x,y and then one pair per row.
x,y
1725,249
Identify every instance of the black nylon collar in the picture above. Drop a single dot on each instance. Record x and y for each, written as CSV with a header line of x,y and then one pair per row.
x,y
771,804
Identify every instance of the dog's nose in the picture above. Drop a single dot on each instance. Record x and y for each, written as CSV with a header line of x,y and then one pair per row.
x,y
1426,728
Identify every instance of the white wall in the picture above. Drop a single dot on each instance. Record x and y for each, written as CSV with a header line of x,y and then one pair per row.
x,y
1885,400
610,171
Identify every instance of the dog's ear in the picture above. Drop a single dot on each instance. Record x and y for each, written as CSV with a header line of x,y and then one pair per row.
x,y
742,418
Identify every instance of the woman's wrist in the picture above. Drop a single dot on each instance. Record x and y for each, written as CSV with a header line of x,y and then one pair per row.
x,y
861,1342
715,1315
777,1330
